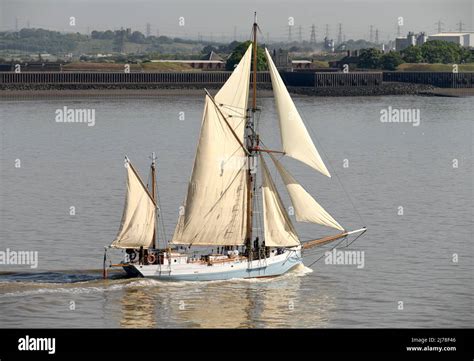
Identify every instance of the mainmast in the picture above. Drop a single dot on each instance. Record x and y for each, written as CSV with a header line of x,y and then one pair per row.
x,y
153,192
254,97
251,144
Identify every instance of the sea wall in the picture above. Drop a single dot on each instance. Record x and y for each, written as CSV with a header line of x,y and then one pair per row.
x,y
438,79
178,78
314,83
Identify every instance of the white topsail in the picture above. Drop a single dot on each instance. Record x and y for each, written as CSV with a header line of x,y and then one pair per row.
x,y
138,218
306,207
295,139
215,205
279,231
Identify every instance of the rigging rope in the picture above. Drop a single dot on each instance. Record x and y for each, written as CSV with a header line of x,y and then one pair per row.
x,y
258,211
160,214
329,251
320,146
347,245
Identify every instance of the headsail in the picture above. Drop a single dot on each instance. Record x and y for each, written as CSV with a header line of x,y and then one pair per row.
x,y
215,206
279,231
306,207
295,139
138,218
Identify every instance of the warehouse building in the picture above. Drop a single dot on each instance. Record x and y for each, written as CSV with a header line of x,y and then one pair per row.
x,y
465,39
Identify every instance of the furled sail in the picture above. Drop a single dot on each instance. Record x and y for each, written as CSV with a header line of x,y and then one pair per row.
x,y
279,231
295,139
215,206
306,207
138,218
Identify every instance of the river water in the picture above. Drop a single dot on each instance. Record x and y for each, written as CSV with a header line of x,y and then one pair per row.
x,y
410,185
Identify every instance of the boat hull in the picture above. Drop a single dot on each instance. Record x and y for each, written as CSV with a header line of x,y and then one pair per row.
x,y
269,267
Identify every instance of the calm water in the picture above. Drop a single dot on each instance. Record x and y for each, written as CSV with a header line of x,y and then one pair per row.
x,y
408,257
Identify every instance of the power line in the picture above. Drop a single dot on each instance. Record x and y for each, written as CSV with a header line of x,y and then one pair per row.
x,y
460,25
339,34
313,35
148,30
371,34
439,25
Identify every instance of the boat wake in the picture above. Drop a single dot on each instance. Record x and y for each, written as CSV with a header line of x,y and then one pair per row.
x,y
68,282
62,281
50,277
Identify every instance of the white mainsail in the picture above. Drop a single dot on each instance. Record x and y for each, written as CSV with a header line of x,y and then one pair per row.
x,y
295,139
138,219
216,201
306,207
279,231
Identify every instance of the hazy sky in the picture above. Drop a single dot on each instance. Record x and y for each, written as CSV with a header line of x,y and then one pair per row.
x,y
222,18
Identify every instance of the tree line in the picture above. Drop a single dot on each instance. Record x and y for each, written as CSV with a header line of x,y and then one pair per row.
x,y
431,52
55,42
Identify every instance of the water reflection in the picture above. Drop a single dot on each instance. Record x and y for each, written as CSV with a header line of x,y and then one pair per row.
x,y
138,308
233,304
284,304
218,305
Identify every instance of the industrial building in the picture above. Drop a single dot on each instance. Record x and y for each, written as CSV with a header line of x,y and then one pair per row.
x,y
465,39
411,39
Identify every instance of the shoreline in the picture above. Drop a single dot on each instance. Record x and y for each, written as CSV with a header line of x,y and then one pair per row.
x,y
151,90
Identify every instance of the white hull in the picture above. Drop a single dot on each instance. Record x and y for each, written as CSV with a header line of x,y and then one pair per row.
x,y
275,265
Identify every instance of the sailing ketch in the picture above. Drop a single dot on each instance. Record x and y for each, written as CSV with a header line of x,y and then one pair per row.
x,y
219,208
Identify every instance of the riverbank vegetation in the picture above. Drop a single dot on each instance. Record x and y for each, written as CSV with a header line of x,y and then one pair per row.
x,y
435,55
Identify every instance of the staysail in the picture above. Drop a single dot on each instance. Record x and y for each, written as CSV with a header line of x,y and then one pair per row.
x,y
295,139
306,207
279,231
215,207
138,218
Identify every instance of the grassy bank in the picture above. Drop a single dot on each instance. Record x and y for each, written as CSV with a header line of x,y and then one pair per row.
x,y
468,67
146,67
